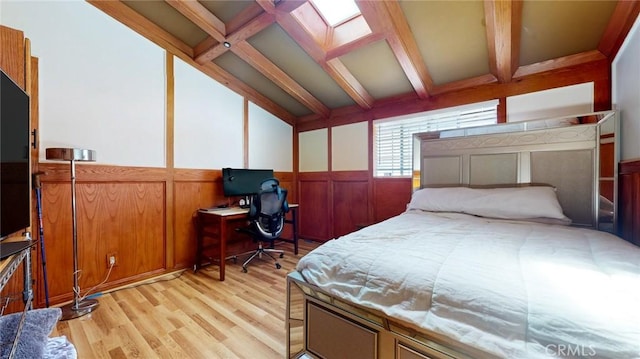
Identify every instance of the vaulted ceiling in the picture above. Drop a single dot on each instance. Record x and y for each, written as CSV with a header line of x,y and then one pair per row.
x,y
283,56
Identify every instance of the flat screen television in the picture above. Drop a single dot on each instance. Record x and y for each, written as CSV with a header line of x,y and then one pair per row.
x,y
15,174
242,181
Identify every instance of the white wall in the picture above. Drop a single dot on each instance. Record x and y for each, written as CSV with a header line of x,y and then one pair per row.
x,y
101,85
557,102
313,150
208,121
270,141
350,147
626,92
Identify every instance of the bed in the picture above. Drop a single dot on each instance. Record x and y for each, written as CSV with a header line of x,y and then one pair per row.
x,y
502,252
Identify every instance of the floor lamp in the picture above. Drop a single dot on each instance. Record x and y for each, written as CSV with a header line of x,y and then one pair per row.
x,y
78,307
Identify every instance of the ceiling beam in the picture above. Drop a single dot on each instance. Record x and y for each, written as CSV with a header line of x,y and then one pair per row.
x,y
246,15
267,5
334,67
254,58
620,23
298,30
251,28
343,49
503,23
280,7
225,78
345,79
409,103
464,84
387,17
200,16
287,6
219,43
559,63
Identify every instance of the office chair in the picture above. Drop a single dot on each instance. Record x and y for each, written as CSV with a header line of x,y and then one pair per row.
x,y
266,216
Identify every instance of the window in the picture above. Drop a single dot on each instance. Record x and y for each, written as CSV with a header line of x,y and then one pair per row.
x,y
393,138
336,11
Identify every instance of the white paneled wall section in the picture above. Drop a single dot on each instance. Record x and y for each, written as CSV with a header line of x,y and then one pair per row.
x,y
270,141
558,102
349,147
208,121
313,150
101,85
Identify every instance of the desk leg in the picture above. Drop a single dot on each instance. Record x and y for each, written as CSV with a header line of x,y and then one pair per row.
x,y
223,246
199,239
294,214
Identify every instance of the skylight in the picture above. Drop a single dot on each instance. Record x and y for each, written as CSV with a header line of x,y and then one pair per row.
x,y
336,11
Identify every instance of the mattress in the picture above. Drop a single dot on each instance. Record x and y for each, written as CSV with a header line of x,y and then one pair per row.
x,y
515,289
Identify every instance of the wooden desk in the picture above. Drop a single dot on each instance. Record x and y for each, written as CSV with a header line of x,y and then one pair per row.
x,y
215,223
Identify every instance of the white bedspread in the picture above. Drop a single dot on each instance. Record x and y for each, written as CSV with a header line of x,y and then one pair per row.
x,y
514,289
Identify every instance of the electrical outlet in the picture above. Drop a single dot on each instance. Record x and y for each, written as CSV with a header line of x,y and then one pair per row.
x,y
112,260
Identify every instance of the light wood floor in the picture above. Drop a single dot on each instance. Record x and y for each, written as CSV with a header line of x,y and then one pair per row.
x,y
192,316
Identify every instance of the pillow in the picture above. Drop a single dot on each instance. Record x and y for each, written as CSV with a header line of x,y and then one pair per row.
x,y
35,332
506,203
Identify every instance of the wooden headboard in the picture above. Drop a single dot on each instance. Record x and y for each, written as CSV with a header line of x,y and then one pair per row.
x,y
565,153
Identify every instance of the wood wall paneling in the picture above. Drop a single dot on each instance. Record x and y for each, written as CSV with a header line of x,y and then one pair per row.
x,y
391,196
629,223
314,199
350,206
123,211
123,219
12,54
189,196
336,203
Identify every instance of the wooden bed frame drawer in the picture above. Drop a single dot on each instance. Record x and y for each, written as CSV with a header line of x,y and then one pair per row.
x,y
332,336
404,352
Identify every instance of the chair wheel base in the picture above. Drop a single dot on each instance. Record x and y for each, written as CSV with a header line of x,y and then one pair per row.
x,y
244,270
278,266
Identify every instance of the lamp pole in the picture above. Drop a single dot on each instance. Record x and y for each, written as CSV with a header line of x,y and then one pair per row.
x,y
79,306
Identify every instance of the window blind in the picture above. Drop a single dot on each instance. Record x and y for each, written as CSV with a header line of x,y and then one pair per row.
x,y
393,139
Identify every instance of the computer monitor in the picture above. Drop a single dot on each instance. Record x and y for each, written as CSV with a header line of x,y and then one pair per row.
x,y
242,181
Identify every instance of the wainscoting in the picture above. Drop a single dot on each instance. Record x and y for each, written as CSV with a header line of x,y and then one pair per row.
x,y
143,216
629,222
333,204
336,203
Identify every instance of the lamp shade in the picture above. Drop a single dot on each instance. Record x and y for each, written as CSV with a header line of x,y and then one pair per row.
x,y
70,154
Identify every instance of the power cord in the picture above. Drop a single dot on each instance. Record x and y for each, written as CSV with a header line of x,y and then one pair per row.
x,y
111,265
